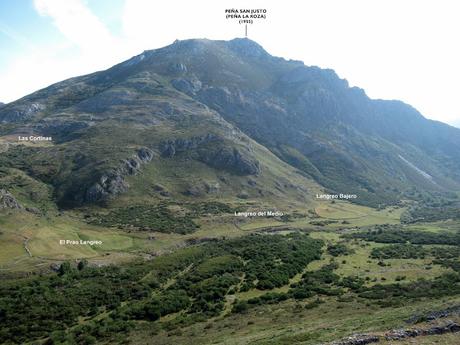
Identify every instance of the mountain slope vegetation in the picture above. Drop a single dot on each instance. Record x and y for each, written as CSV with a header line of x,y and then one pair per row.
x,y
216,102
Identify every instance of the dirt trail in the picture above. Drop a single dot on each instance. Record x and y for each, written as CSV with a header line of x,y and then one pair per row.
x,y
26,240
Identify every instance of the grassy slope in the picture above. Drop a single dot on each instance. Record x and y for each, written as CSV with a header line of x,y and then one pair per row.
x,y
290,323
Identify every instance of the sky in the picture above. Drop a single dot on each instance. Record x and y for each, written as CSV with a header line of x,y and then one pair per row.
x,y
393,49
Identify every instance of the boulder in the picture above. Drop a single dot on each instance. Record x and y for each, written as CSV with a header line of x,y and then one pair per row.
x,y
7,200
358,339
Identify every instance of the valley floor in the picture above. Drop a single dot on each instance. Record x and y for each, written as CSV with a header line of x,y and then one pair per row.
x,y
30,244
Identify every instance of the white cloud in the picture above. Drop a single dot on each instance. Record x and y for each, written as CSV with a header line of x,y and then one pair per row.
x,y
76,22
87,47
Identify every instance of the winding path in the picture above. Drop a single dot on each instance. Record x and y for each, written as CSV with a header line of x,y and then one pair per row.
x,y
26,240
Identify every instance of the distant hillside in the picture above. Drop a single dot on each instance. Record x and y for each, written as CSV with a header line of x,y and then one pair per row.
x,y
225,118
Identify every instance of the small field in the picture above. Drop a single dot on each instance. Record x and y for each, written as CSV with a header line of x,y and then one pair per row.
x,y
357,215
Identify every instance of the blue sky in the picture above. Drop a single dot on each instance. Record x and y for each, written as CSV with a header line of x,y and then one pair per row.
x,y
393,49
22,28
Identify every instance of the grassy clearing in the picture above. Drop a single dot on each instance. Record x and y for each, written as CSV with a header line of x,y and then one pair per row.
x,y
360,264
357,215
43,237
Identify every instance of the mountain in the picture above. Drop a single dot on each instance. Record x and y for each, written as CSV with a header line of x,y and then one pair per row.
x,y
207,119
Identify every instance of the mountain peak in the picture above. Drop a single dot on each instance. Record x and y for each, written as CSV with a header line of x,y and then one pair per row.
x,y
242,46
247,47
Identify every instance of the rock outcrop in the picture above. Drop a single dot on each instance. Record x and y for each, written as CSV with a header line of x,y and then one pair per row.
x,y
434,315
59,128
399,334
218,155
20,112
113,183
230,159
187,86
170,148
7,200
358,339
449,327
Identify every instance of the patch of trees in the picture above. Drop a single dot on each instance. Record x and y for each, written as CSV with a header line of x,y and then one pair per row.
x,y
320,282
323,222
51,305
168,302
430,214
395,294
431,206
146,217
271,260
410,251
339,249
192,282
397,234
399,251
453,264
34,308
325,282
211,207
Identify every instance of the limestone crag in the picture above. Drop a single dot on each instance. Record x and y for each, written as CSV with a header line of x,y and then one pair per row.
x,y
169,148
213,151
113,183
187,86
7,200
230,159
20,112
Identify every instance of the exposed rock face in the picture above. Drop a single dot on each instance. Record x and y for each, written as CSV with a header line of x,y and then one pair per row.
x,y
216,155
190,87
434,315
399,334
113,183
246,47
230,159
171,147
65,129
20,112
104,100
7,200
145,155
449,327
177,68
358,339
108,186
